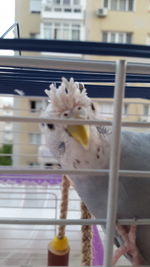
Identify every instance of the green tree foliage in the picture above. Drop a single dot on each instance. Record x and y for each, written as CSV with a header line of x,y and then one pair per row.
x,y
6,160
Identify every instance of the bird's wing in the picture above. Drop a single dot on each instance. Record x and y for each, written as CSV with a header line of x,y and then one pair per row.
x,y
134,193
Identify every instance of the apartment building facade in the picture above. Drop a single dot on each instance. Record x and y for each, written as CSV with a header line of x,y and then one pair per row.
x,y
51,19
118,21
126,22
27,136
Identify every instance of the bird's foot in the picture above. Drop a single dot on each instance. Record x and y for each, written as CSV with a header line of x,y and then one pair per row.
x,y
128,235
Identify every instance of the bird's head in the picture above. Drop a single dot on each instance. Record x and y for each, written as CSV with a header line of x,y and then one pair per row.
x,y
70,101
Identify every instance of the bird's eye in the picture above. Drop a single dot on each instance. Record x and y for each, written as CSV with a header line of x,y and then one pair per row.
x,y
66,114
79,111
78,108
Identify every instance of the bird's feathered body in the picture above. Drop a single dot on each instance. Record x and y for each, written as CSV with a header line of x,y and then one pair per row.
x,y
134,193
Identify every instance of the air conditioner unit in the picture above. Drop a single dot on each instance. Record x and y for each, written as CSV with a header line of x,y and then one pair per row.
x,y
102,12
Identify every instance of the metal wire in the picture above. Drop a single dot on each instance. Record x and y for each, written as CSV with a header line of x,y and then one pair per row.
x,y
71,121
71,64
44,221
98,172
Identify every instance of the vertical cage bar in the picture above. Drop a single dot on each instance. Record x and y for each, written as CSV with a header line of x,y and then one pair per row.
x,y
114,162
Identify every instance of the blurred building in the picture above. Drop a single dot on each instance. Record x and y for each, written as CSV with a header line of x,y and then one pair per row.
x,y
118,21
115,21
133,109
47,19
51,19
27,14
27,136
126,22
7,134
6,109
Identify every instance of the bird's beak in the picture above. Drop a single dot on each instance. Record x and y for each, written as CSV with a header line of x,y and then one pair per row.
x,y
80,133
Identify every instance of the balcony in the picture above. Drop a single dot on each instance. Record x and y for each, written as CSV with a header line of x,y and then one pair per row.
x,y
62,11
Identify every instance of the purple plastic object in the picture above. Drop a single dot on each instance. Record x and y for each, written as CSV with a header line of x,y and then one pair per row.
x,y
30,179
98,250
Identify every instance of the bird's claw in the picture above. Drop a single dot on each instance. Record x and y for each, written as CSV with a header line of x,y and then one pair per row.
x,y
128,235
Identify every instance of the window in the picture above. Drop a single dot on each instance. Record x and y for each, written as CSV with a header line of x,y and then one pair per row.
x,y
36,105
125,109
57,31
145,109
35,6
117,37
66,6
106,109
62,31
77,10
47,8
48,31
75,32
113,5
122,5
67,9
34,138
56,2
106,3
119,5
76,2
57,9
33,164
8,136
66,2
34,35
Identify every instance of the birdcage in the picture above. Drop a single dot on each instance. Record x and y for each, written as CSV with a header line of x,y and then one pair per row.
x,y
30,188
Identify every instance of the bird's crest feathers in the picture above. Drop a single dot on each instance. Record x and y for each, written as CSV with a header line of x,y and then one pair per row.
x,y
67,95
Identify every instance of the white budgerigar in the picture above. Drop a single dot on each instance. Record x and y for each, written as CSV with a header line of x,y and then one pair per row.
x,y
84,146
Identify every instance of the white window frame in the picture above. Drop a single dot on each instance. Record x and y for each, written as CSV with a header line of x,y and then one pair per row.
x,y
35,35
106,109
117,36
146,110
40,105
61,6
34,138
109,6
125,109
61,29
68,4
71,3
